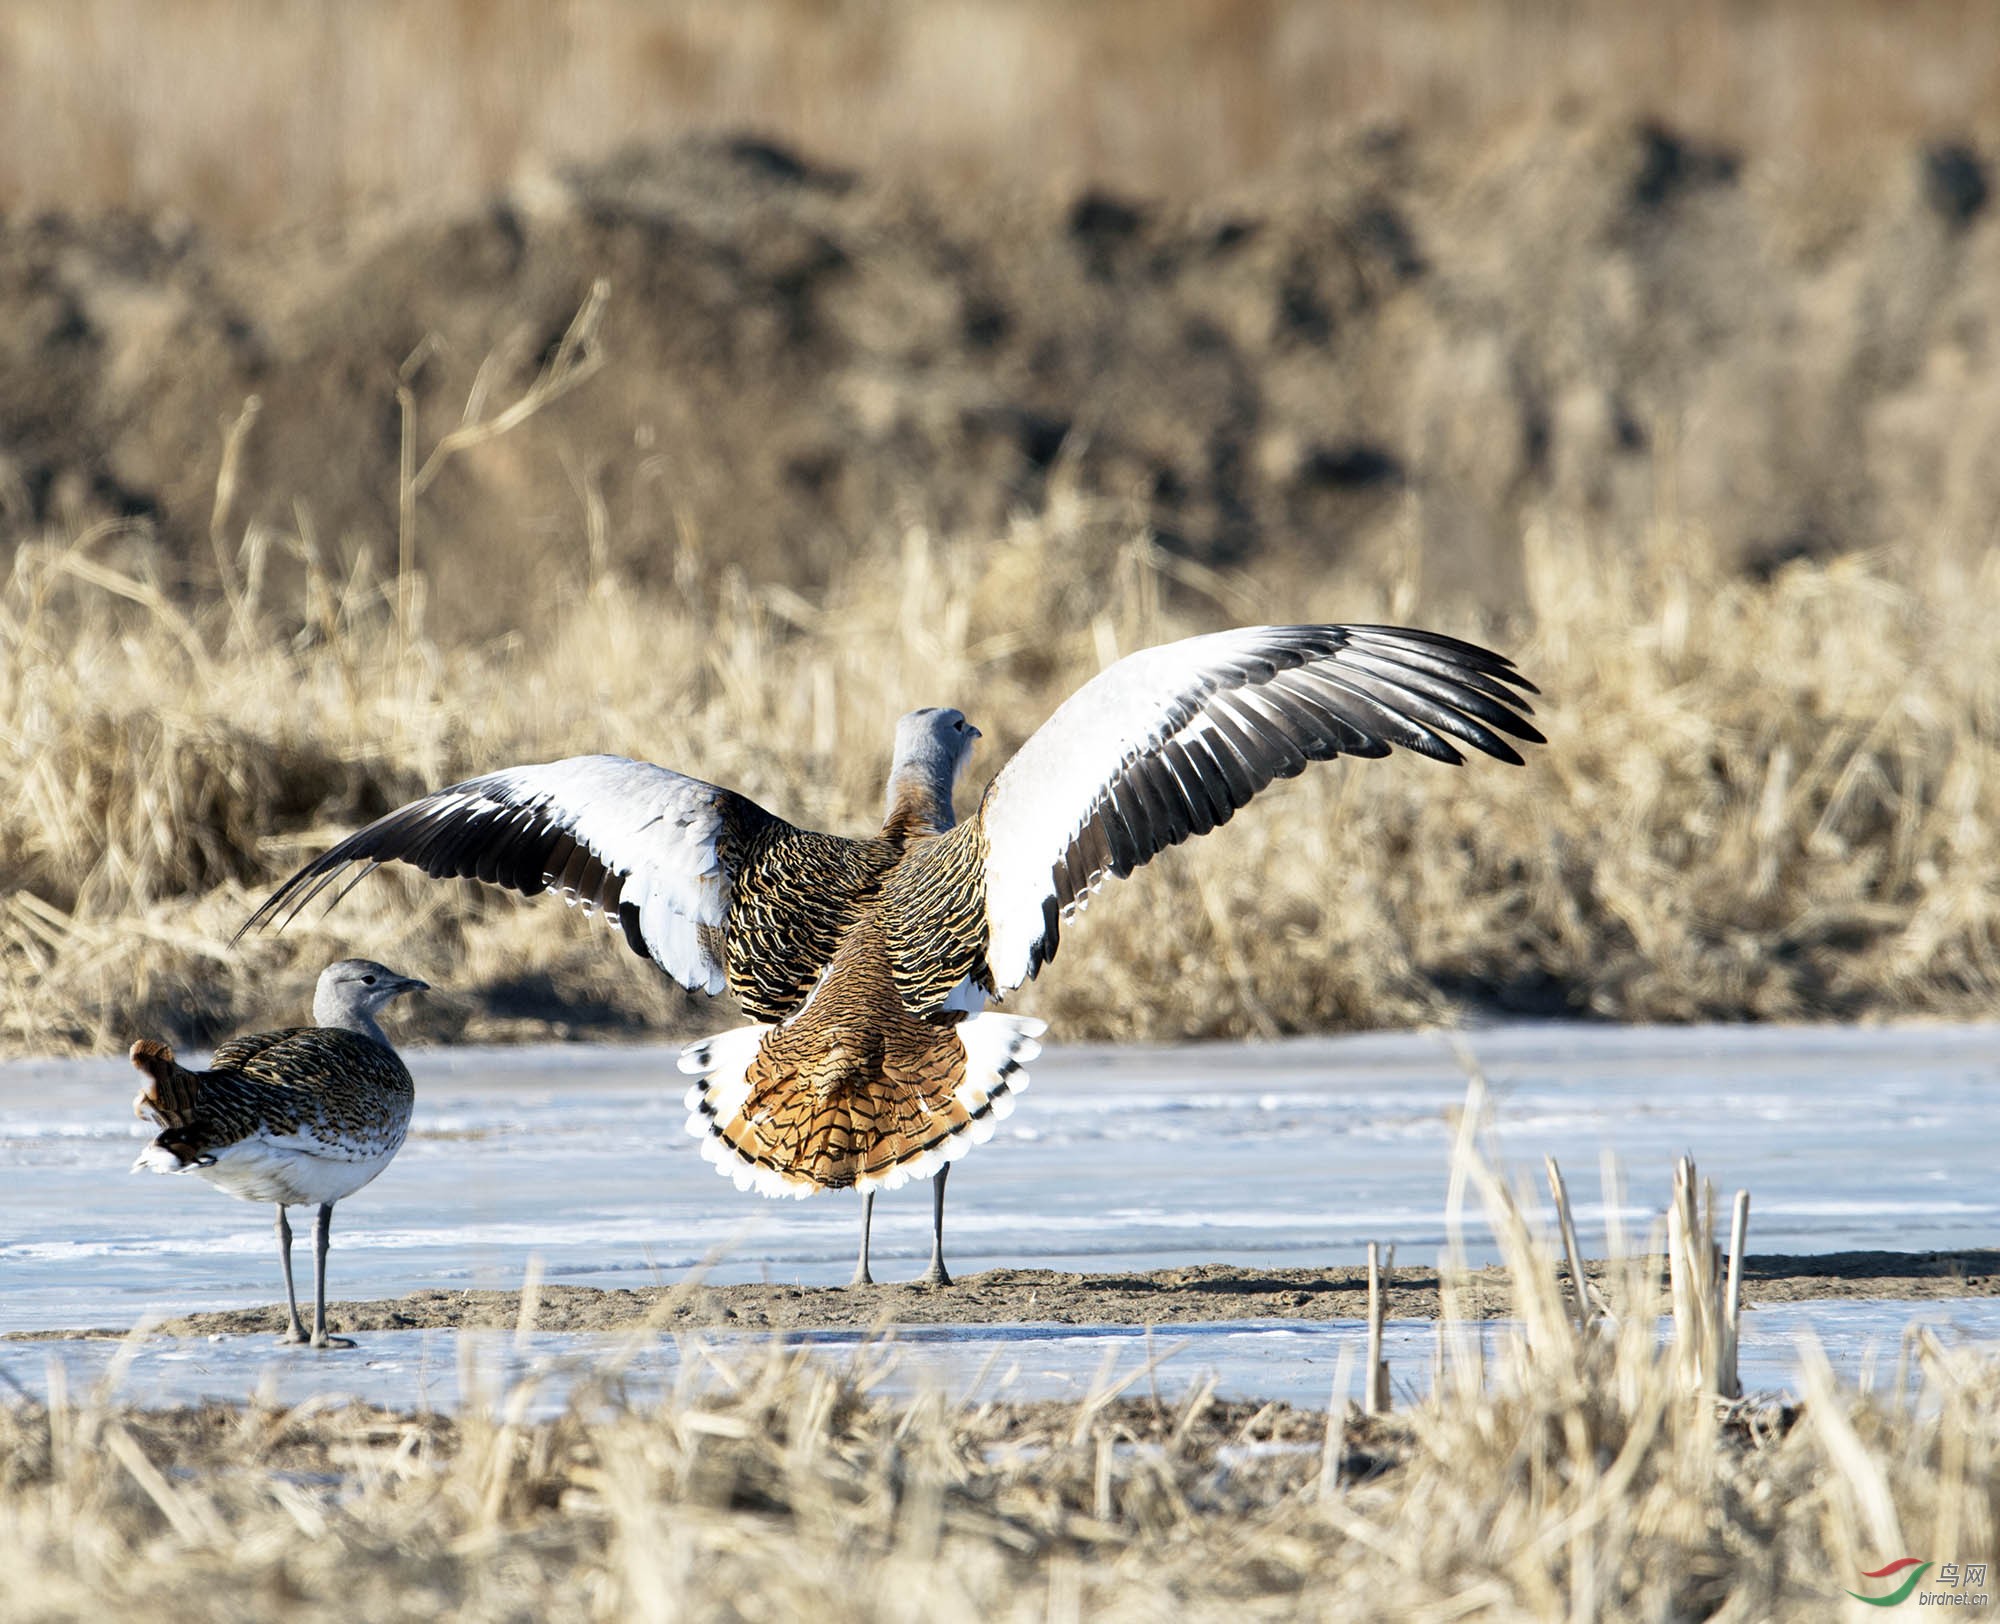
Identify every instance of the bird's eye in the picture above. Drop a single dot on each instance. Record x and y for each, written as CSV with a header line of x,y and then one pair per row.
x,y
368,980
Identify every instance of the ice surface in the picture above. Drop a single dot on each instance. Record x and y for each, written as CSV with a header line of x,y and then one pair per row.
x,y
1299,1363
1295,1153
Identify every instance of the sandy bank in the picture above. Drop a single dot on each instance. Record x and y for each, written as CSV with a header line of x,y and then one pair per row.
x,y
1158,1297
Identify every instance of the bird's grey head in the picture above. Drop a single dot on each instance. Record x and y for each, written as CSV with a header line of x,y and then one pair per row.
x,y
933,746
350,991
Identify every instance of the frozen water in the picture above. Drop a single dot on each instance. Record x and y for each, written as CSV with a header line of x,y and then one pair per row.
x,y
1298,1363
1295,1153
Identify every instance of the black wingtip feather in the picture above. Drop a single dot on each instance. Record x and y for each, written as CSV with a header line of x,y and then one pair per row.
x,y
472,831
628,918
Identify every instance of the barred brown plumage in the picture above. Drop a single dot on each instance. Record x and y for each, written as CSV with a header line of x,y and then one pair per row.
x,y
932,910
867,963
300,1117
797,893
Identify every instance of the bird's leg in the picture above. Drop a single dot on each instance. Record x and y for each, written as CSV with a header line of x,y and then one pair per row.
x,y
296,1331
861,1275
935,1275
322,1231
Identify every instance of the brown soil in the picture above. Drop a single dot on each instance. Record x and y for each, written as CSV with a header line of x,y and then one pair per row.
x,y
1410,345
1158,1297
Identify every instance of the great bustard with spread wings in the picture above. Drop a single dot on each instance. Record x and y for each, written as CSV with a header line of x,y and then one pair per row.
x,y
866,963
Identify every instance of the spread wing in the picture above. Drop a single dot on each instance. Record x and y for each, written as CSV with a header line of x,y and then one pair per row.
x,y
650,849
1169,742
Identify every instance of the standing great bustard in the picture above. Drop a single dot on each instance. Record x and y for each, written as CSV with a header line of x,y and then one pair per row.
x,y
866,962
300,1118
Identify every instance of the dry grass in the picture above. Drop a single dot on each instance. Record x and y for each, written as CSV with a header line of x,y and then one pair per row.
x,y
250,116
1768,799
1568,1471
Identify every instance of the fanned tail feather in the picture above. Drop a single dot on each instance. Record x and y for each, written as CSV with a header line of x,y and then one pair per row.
x,y
997,1051
720,1066
787,1118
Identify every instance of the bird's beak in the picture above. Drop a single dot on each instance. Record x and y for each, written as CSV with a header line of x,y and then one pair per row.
x,y
412,984
972,730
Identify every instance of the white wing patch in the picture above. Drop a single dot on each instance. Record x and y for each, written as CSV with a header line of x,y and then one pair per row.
x,y
624,838
1042,798
1171,741
656,828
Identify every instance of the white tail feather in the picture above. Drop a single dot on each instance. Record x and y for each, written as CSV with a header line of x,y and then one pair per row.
x,y
159,1159
721,1068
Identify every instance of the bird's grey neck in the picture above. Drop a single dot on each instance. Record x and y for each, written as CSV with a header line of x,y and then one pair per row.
x,y
919,801
339,1013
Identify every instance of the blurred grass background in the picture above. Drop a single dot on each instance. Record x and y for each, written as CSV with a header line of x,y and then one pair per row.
x,y
246,115
388,393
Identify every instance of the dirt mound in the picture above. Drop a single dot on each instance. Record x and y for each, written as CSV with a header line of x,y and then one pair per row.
x,y
1407,341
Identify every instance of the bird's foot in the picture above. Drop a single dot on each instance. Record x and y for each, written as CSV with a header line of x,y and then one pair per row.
x,y
322,1340
862,1278
295,1337
935,1275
